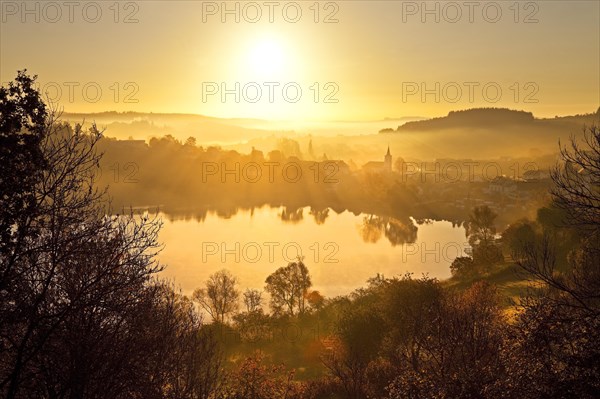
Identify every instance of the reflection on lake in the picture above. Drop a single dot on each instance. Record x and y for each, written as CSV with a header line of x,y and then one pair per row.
x,y
341,250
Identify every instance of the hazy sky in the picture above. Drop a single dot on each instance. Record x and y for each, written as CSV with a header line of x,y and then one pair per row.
x,y
375,58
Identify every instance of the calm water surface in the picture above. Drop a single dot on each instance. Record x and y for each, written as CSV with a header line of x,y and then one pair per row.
x,y
341,250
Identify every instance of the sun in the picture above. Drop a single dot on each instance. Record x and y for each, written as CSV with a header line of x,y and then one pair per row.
x,y
264,76
267,57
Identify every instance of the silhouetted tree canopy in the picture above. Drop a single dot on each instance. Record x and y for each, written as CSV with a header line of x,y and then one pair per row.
x,y
220,297
288,287
82,314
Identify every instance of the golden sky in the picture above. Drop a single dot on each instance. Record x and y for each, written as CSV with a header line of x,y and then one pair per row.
x,y
308,60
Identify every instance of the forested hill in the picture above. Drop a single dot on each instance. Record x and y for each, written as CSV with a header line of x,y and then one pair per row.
x,y
486,118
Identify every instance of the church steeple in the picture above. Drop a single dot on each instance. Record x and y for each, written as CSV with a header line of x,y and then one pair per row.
x,y
388,160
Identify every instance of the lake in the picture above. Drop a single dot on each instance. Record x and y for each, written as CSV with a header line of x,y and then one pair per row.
x,y
341,251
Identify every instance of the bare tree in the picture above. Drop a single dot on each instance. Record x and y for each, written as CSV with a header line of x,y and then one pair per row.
x,y
78,302
252,300
220,297
576,191
577,181
188,360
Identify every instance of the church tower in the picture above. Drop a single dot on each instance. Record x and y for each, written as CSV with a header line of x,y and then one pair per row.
x,y
310,150
388,161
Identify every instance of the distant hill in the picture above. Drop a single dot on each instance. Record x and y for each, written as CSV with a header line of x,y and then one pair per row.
x,y
490,118
483,133
210,130
478,117
115,116
141,125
